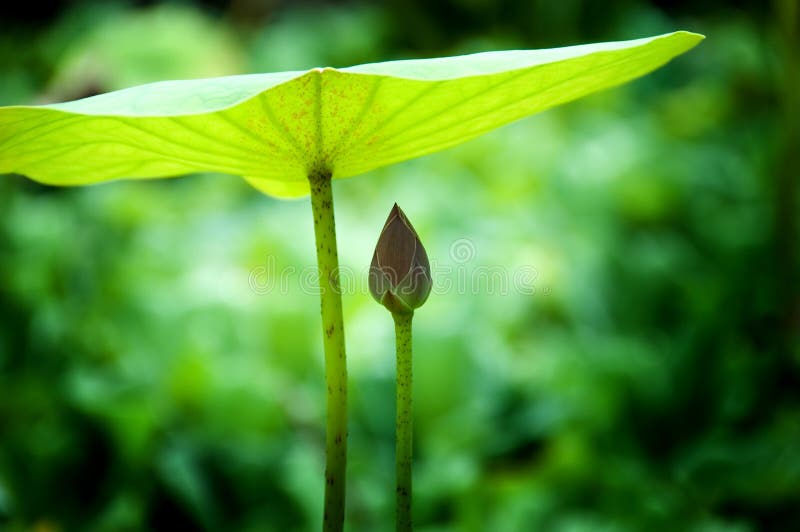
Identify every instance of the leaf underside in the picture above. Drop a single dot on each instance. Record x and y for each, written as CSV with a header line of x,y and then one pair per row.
x,y
277,129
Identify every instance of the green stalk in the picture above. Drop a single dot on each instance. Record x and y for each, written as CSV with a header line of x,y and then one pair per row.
x,y
402,329
333,343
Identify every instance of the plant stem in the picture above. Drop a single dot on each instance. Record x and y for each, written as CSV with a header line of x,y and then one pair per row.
x,y
402,329
333,343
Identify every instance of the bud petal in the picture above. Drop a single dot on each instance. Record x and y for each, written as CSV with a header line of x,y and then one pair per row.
x,y
400,274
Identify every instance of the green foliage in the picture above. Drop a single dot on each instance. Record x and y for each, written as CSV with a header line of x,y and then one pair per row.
x,y
650,382
276,129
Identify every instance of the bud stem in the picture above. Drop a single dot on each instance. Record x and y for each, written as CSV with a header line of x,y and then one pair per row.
x,y
402,328
333,344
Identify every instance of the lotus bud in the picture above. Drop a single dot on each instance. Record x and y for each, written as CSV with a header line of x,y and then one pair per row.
x,y
400,274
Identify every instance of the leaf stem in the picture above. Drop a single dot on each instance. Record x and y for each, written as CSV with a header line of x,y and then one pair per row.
x,y
333,343
402,329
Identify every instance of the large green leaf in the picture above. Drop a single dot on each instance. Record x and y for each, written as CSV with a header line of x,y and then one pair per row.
x,y
275,129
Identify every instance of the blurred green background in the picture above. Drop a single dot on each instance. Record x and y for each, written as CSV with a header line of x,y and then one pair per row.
x,y
646,378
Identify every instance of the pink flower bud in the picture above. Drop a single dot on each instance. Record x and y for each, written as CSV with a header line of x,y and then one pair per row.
x,y
400,274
